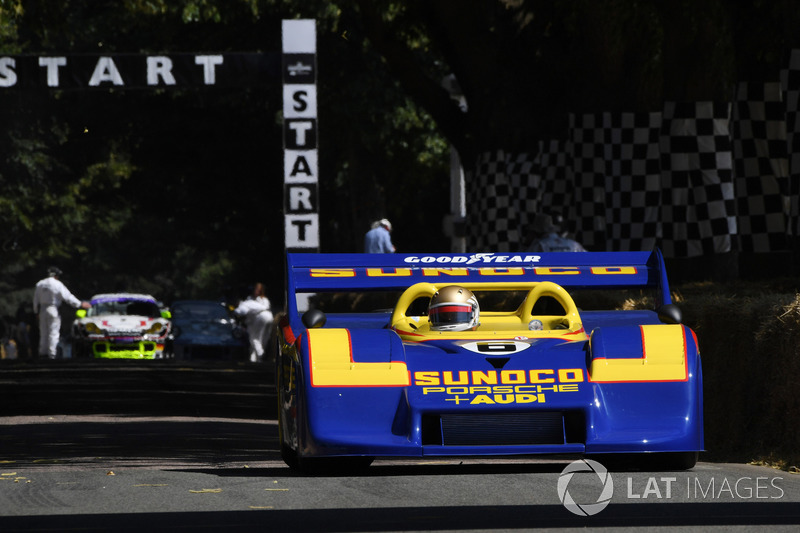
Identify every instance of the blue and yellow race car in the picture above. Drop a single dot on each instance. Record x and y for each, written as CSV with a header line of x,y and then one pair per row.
x,y
483,355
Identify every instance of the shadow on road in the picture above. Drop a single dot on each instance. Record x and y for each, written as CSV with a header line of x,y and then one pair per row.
x,y
123,387
115,442
136,413
696,516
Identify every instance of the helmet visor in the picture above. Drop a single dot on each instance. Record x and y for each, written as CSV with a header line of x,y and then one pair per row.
x,y
450,314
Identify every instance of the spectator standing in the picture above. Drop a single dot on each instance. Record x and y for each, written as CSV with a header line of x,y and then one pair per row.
x,y
546,237
378,240
256,313
24,321
50,293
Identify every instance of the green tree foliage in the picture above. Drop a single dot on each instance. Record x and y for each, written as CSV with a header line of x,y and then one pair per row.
x,y
179,192
524,65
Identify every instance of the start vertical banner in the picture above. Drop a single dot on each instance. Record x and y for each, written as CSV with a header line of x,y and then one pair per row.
x,y
300,167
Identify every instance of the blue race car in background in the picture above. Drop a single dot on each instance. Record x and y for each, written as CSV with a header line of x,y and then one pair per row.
x,y
483,354
205,329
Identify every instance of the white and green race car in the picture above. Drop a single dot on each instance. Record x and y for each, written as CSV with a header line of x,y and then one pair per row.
x,y
121,326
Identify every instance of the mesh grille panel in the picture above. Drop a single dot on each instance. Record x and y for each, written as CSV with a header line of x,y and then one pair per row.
x,y
504,429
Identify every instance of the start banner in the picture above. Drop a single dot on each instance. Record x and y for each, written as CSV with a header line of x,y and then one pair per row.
x,y
137,71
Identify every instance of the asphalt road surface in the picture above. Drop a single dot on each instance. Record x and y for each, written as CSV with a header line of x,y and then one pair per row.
x,y
161,446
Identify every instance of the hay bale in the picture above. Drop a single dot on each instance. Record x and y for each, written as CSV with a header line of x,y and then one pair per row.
x,y
747,353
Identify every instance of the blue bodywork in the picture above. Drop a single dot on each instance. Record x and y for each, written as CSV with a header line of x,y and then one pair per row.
x,y
364,385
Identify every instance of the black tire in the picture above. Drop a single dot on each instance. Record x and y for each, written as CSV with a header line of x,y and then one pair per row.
x,y
333,466
289,455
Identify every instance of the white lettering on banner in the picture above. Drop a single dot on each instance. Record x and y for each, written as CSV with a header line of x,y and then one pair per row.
x,y
105,70
209,64
300,166
159,67
52,64
122,70
8,78
300,69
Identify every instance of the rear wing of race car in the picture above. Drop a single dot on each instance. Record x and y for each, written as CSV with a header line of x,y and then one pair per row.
x,y
311,273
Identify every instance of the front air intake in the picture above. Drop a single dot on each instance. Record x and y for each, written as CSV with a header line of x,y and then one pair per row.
x,y
502,429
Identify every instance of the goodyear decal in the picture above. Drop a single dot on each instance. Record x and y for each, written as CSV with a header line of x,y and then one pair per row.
x,y
474,258
474,387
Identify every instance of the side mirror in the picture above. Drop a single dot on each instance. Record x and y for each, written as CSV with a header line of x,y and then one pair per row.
x,y
80,313
165,314
314,318
670,314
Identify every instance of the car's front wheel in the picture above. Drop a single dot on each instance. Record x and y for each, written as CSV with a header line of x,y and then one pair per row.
x,y
289,455
333,466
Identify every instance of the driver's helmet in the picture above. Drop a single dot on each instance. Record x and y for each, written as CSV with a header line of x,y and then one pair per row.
x,y
453,308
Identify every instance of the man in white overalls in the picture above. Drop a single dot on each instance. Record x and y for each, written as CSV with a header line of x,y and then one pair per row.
x,y
257,315
47,298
